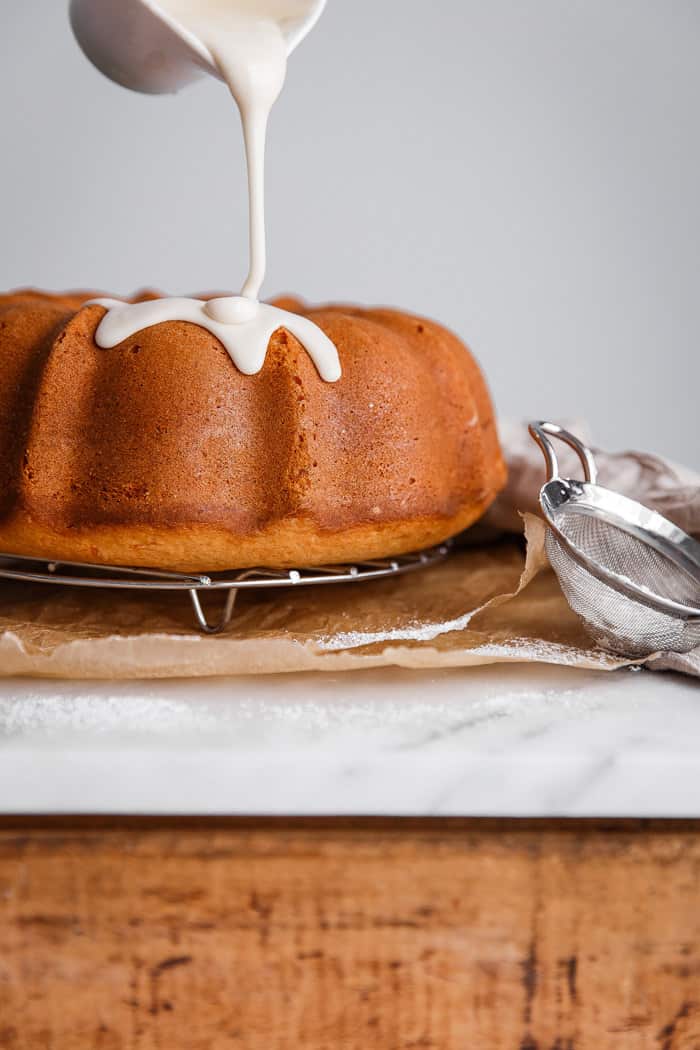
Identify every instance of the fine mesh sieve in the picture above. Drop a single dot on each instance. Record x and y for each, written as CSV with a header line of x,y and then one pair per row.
x,y
630,573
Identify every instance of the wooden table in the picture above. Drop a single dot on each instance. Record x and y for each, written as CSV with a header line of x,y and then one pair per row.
x,y
356,934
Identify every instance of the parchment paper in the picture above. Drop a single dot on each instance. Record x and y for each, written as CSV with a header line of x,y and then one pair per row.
x,y
483,605
496,601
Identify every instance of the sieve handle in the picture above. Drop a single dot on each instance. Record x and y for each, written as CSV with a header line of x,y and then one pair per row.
x,y
542,431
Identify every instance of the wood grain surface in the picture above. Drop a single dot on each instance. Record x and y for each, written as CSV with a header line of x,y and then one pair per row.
x,y
349,934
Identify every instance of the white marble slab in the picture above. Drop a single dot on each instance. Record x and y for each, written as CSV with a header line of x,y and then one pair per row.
x,y
509,741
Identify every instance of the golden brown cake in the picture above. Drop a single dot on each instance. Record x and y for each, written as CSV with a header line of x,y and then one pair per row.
x,y
159,452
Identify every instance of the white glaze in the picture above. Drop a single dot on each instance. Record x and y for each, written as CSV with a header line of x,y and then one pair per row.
x,y
246,39
245,339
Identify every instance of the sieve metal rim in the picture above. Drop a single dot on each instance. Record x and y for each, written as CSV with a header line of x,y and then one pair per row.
x,y
632,517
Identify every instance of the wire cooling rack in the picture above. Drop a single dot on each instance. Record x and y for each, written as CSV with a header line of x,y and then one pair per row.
x,y
83,574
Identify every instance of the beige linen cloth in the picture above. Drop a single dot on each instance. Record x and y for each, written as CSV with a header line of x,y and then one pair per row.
x,y
494,601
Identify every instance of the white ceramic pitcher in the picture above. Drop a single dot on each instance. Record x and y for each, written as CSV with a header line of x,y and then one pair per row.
x,y
140,46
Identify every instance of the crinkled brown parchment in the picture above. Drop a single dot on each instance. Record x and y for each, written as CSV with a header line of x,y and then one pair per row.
x,y
485,604
463,612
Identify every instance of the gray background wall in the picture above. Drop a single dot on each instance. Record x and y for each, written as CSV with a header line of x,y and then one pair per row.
x,y
527,171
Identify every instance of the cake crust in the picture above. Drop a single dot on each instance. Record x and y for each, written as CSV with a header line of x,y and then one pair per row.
x,y
160,453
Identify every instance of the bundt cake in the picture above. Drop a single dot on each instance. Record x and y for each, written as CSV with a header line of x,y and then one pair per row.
x,y
159,452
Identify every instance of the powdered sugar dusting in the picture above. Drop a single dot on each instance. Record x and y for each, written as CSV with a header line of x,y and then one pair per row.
x,y
415,632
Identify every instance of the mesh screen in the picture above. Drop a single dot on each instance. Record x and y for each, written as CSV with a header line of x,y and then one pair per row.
x,y
618,622
619,552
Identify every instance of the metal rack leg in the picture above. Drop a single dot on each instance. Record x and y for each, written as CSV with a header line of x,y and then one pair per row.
x,y
225,616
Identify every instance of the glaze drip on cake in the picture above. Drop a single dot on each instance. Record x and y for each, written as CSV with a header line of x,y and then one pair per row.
x,y
244,326
247,43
